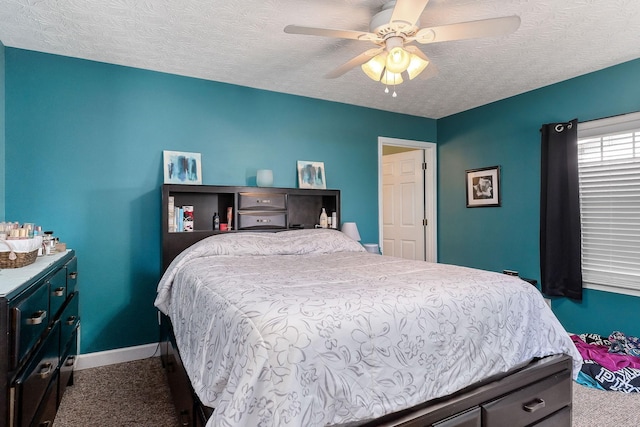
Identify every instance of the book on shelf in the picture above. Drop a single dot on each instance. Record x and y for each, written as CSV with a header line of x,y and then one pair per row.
x,y
172,214
188,218
178,215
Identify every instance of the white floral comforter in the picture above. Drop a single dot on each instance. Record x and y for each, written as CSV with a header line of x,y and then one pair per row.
x,y
305,328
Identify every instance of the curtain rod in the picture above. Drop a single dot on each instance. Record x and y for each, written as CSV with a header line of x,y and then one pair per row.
x,y
609,117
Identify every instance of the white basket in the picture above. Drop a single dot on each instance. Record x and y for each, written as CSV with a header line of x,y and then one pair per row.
x,y
19,253
21,245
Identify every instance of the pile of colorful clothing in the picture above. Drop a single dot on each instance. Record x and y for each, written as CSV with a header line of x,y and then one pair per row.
x,y
610,363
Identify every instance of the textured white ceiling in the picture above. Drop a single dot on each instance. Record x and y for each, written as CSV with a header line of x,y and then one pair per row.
x,y
242,42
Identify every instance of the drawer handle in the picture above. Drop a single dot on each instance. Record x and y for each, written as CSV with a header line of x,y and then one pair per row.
x,y
70,361
71,320
267,201
263,220
185,419
45,370
534,405
45,423
59,292
73,275
37,317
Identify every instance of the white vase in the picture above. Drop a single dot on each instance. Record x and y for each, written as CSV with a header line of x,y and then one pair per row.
x,y
264,178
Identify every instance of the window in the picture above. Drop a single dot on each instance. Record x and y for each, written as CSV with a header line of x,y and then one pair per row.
x,y
609,179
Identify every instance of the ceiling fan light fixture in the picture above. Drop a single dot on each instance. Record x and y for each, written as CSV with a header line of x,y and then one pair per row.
x,y
375,66
398,60
416,66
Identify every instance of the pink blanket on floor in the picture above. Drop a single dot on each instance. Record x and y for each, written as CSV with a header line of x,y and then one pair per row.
x,y
600,354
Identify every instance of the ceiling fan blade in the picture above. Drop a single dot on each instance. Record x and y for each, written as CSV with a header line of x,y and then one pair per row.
x,y
469,30
326,32
358,60
417,51
408,11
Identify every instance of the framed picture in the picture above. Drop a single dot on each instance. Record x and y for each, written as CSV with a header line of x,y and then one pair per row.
x,y
311,175
483,187
181,168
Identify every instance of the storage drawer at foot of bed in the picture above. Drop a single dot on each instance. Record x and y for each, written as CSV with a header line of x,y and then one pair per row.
x,y
470,418
530,404
201,414
562,418
177,378
262,220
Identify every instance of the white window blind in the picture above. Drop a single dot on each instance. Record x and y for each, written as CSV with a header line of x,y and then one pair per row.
x,y
609,177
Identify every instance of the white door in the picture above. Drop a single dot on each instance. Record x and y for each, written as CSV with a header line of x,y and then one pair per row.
x,y
403,205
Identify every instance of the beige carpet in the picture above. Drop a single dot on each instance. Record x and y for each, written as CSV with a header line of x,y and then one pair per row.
x,y
597,408
126,394
136,394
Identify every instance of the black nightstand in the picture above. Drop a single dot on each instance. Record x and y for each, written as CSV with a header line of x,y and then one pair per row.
x,y
534,282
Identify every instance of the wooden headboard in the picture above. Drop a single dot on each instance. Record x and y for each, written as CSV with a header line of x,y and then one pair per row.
x,y
253,209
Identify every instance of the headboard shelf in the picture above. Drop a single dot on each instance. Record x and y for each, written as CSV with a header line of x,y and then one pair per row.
x,y
254,209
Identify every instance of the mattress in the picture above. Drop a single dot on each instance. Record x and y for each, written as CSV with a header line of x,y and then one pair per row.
x,y
306,328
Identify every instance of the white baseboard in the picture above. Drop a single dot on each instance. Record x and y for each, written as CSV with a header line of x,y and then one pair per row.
x,y
119,355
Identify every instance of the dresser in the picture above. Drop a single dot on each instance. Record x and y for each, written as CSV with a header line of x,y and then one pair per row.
x,y
39,322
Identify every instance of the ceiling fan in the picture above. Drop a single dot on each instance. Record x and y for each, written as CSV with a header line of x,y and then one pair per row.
x,y
393,30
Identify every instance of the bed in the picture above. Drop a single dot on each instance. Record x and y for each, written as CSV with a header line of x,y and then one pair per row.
x,y
306,328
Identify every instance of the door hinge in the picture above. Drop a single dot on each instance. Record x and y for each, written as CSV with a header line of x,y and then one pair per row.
x,y
424,166
425,222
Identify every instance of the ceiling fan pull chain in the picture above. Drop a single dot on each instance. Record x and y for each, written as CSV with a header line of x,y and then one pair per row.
x,y
394,86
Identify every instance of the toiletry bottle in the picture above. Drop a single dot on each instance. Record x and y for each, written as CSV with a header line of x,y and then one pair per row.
x,y
229,217
216,221
334,220
323,219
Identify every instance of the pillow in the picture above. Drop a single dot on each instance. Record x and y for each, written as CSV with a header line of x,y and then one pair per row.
x,y
290,242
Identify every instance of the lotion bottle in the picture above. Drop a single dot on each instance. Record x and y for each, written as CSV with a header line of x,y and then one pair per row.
x,y
323,219
216,221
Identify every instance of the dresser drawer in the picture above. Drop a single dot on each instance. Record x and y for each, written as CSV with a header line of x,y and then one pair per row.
x,y
530,404
30,318
262,220
47,410
67,363
276,201
57,291
69,320
72,275
34,381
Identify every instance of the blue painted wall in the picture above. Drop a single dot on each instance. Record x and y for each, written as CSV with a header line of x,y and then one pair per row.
x,y
506,133
84,142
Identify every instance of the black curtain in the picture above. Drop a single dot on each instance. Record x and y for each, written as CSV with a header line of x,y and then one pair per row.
x,y
560,253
